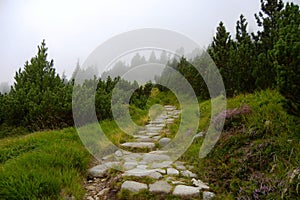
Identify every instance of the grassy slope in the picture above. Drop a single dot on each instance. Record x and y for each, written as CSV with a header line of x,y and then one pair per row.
x,y
43,165
257,155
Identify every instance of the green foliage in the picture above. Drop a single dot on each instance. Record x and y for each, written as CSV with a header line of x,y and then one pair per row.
x,y
287,56
39,99
46,165
255,158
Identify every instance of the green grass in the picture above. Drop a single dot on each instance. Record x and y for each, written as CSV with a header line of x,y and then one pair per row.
x,y
43,165
257,155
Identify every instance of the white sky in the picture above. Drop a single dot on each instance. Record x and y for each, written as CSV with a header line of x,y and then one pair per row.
x,y
73,29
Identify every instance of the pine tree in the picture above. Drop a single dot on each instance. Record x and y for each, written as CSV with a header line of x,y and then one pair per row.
x,y
286,54
265,39
38,98
243,58
220,53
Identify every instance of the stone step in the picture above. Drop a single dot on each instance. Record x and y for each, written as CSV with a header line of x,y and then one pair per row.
x,y
139,145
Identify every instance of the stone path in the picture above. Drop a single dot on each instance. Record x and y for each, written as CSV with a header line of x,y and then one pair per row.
x,y
166,177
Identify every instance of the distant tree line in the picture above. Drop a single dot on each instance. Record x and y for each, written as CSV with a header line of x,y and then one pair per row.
x,y
41,99
269,58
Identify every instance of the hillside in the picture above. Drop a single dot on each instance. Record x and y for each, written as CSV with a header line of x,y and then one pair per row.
x,y
256,157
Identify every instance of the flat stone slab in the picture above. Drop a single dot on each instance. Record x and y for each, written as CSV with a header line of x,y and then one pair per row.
x,y
138,172
172,172
164,141
186,191
99,171
161,164
151,157
129,165
150,134
154,129
139,145
145,139
160,187
134,186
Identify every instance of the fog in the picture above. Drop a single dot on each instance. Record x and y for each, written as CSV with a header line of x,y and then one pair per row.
x,y
73,29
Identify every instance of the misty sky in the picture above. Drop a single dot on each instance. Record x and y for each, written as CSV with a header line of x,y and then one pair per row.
x,y
73,29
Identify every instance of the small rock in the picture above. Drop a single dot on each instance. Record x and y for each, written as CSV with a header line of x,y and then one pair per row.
x,y
160,187
172,171
99,171
199,184
162,171
177,182
180,167
186,191
103,192
188,174
164,141
118,153
208,195
134,186
90,198
90,187
198,135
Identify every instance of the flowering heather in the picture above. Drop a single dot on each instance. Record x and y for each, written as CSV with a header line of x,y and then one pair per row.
x,y
230,114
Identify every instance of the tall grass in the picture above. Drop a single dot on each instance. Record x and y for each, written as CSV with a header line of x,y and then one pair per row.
x,y
257,155
45,165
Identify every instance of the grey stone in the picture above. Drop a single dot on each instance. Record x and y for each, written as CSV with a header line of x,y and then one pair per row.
x,y
134,186
186,191
99,171
103,192
199,184
164,141
139,145
152,157
156,137
132,157
178,182
198,135
160,187
162,171
145,139
208,195
180,167
129,165
153,134
154,129
170,121
112,164
161,164
141,166
142,132
119,153
172,171
188,174
137,172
